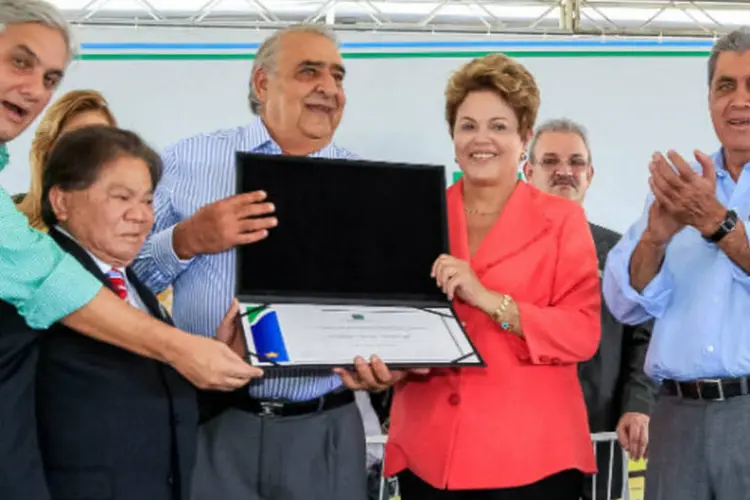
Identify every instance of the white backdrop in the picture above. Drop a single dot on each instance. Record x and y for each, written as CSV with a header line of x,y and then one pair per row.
x,y
631,105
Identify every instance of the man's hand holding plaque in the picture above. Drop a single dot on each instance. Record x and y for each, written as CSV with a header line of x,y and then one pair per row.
x,y
375,375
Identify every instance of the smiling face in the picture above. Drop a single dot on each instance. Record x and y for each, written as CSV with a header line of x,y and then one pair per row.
x,y
561,165
487,144
729,100
113,216
32,62
302,99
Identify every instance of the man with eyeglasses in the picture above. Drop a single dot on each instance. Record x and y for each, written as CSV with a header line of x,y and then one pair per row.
x,y
619,395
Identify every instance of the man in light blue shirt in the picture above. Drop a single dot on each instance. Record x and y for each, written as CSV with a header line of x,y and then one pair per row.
x,y
685,263
298,434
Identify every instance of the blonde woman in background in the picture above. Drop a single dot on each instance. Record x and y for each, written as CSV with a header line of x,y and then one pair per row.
x,y
74,110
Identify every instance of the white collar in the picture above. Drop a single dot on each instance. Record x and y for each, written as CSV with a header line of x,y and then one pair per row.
x,y
103,266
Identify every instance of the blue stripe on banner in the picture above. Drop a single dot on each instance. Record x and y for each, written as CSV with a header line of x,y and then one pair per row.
x,y
604,42
268,337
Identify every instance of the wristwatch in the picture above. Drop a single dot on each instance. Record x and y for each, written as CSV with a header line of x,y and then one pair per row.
x,y
726,227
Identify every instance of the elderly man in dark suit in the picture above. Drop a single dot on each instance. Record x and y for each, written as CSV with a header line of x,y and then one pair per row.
x,y
111,424
619,396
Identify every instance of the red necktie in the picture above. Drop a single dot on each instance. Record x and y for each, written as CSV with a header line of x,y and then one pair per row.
x,y
118,282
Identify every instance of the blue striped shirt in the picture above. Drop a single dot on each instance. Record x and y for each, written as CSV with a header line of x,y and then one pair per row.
x,y
198,171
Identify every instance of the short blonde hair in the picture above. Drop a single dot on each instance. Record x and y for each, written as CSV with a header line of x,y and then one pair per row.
x,y
500,74
47,133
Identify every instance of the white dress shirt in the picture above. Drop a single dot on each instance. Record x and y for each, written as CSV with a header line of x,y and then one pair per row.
x,y
133,298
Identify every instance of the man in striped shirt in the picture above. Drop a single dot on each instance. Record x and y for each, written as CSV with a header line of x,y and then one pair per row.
x,y
309,444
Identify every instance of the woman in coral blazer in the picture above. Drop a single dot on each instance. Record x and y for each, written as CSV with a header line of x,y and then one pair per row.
x,y
523,278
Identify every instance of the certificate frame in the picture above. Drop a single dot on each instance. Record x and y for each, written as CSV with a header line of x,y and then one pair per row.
x,y
469,357
253,168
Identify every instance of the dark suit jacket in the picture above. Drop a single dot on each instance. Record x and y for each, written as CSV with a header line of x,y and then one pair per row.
x,y
112,424
613,380
21,472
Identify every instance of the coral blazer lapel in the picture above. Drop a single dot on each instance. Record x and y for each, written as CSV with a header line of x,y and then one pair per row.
x,y
520,223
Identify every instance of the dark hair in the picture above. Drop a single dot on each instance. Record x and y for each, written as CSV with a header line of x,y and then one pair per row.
x,y
78,157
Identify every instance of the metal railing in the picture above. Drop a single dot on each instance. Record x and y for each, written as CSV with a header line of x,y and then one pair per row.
x,y
597,439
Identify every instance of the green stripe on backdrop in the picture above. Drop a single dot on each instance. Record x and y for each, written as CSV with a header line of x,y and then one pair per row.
x,y
155,56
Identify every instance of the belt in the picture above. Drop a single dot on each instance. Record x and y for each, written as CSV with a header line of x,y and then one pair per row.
x,y
712,389
328,401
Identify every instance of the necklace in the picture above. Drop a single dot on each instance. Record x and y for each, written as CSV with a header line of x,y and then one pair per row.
x,y
472,211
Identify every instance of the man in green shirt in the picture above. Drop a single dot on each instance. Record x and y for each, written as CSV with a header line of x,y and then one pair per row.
x,y
45,285
41,281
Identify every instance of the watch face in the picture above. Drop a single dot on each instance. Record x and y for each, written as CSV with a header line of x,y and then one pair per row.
x,y
726,226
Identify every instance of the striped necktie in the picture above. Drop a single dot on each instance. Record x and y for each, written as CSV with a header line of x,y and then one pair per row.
x,y
118,282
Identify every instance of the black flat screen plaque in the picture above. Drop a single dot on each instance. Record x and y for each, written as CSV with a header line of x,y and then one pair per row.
x,y
350,231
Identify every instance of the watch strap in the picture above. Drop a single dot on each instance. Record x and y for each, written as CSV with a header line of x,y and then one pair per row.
x,y
726,227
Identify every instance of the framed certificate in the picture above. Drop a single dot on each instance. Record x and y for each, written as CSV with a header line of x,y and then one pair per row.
x,y
347,270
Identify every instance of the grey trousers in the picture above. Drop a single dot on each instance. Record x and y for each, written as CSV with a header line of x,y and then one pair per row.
x,y
318,456
699,450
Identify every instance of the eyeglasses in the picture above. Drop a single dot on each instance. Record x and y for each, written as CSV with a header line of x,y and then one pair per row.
x,y
555,163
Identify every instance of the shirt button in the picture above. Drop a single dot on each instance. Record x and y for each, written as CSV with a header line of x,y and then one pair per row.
x,y
710,348
716,300
454,399
170,479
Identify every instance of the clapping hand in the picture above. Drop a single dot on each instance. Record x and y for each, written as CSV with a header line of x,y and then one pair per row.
x,y
683,197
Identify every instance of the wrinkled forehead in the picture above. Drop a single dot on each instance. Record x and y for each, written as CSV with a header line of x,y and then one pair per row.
x,y
300,48
563,144
733,66
45,44
121,175
129,172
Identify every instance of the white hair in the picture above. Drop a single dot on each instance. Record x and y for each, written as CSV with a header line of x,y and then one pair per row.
x,y
737,41
36,11
558,125
265,57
